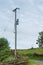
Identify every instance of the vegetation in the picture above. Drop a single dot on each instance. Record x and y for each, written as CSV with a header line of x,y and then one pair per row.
x,y
4,49
35,53
32,63
7,55
40,39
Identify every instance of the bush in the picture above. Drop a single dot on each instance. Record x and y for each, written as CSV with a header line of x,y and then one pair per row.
x,y
4,49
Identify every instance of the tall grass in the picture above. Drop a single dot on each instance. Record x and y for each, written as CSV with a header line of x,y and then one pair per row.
x,y
31,53
32,63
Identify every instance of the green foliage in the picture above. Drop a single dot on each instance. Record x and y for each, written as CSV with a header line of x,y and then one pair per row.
x,y
32,63
40,39
4,49
30,53
3,43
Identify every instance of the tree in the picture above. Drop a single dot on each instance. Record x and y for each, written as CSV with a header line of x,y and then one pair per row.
x,y
40,39
4,44
4,49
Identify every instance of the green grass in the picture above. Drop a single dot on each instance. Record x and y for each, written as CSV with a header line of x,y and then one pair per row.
x,y
30,53
34,50
32,63
9,58
27,52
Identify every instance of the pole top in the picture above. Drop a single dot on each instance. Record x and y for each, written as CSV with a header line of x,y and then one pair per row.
x,y
15,9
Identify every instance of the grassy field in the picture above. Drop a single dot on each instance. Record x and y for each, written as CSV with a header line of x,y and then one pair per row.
x,y
28,52
32,63
31,53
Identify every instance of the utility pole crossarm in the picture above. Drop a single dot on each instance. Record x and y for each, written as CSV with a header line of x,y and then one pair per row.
x,y
15,9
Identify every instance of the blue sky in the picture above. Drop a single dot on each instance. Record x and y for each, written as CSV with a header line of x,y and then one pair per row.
x,y
30,21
